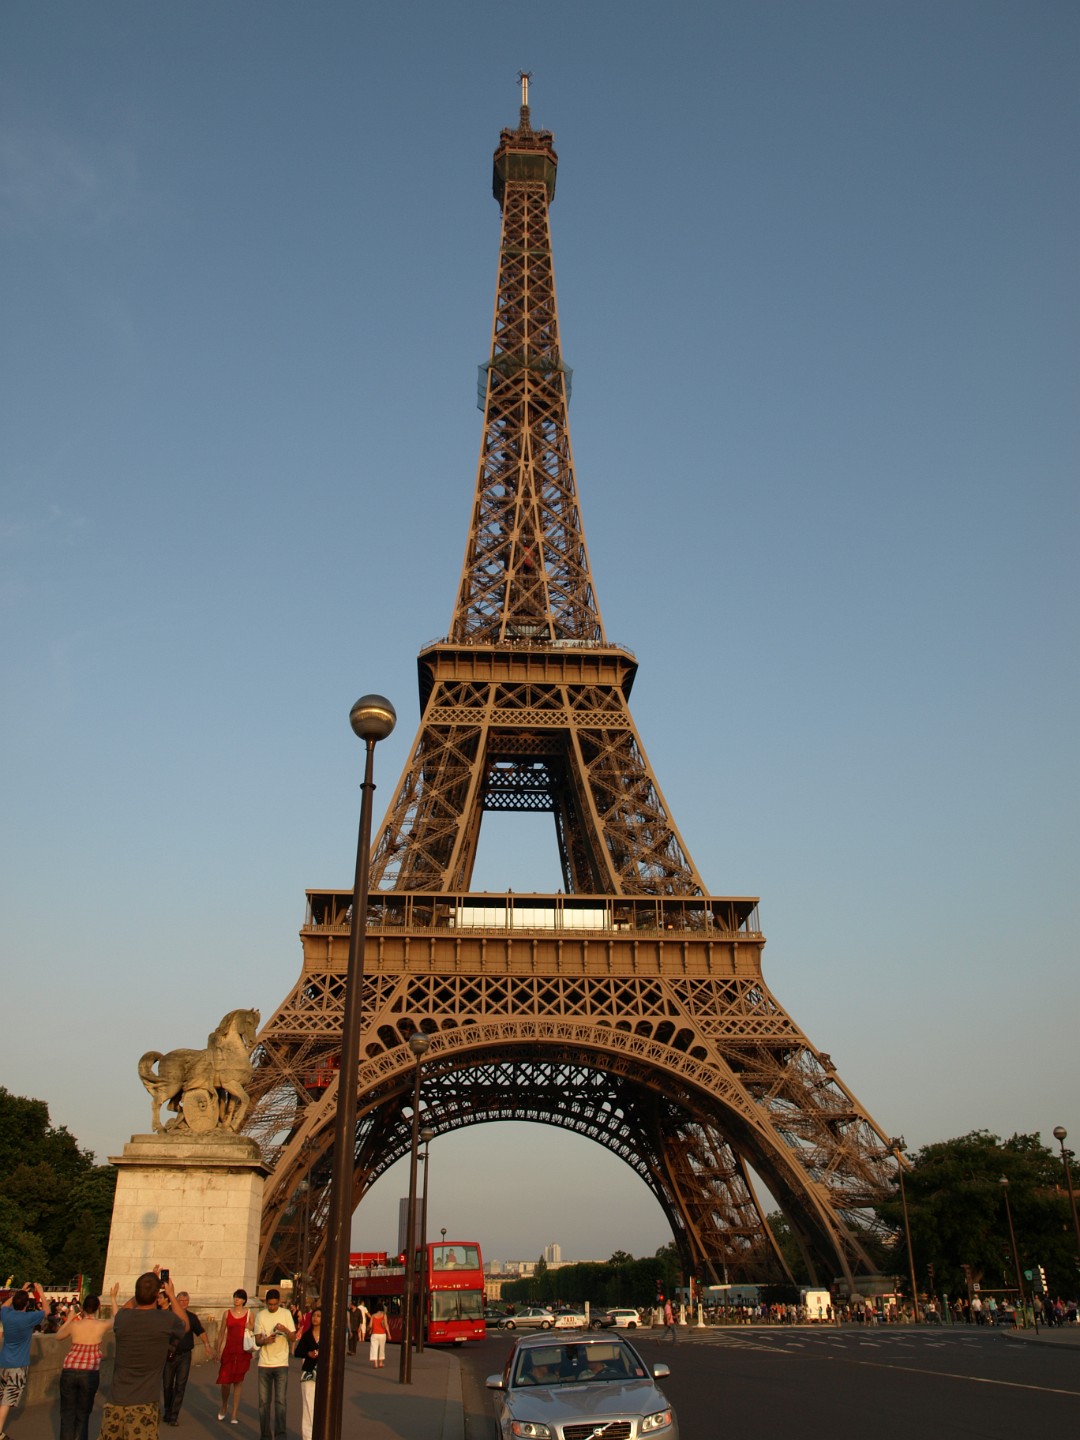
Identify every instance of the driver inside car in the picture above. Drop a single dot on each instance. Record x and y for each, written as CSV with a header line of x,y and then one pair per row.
x,y
604,1367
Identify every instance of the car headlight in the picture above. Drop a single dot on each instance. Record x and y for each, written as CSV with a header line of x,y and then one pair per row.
x,y
659,1420
530,1430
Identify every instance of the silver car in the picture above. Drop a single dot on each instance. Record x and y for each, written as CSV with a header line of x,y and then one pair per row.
x,y
579,1388
531,1318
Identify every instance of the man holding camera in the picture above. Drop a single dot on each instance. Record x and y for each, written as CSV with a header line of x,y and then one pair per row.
x,y
274,1330
143,1335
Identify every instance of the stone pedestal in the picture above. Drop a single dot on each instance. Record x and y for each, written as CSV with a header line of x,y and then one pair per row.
x,y
193,1204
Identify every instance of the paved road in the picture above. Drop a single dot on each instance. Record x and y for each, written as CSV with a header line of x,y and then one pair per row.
x,y
881,1384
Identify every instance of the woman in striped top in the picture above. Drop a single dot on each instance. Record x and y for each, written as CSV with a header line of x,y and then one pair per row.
x,y
82,1364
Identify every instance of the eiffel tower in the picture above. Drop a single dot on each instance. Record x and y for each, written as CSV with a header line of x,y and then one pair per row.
x,y
630,1007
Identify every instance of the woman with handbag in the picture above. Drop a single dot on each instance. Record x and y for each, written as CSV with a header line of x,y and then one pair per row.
x,y
236,1341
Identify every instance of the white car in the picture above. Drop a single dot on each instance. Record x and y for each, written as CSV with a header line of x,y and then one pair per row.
x,y
571,1320
622,1319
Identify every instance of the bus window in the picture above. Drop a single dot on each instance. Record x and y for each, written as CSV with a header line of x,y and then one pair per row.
x,y
455,1257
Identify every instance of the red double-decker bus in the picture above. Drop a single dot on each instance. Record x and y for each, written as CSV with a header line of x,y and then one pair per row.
x,y
448,1290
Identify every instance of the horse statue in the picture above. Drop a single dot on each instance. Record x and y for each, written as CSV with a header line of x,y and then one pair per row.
x,y
204,1087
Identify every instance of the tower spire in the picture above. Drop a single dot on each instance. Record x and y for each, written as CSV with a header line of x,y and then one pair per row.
x,y
525,76
526,570
524,704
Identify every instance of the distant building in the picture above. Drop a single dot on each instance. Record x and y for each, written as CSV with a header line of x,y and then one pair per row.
x,y
553,1253
403,1223
522,1269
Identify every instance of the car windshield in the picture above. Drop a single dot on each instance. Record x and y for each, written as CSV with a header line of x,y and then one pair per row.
x,y
576,1361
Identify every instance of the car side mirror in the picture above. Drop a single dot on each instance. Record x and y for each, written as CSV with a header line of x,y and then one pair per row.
x,y
495,1382
661,1371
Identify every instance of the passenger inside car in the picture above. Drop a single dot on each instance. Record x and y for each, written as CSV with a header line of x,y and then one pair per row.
x,y
605,1367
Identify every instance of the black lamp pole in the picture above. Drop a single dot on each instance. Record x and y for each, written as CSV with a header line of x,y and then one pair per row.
x,y
418,1043
898,1146
1003,1182
1059,1135
426,1135
372,719
305,1190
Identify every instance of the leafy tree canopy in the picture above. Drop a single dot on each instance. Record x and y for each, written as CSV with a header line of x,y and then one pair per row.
x,y
958,1216
55,1203
28,1138
622,1280
22,1254
789,1246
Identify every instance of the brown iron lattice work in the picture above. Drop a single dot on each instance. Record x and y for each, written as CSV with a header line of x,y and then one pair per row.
x,y
631,1008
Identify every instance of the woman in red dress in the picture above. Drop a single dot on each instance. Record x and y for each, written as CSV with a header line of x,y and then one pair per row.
x,y
232,1355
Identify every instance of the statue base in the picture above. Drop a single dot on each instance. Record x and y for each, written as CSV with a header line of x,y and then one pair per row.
x,y
192,1204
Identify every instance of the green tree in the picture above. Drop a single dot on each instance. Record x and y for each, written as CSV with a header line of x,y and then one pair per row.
x,y
622,1280
789,1246
27,1137
22,1254
59,1201
83,1251
539,1285
957,1214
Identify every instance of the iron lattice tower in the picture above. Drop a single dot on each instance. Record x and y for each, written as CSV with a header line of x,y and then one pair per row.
x,y
630,1007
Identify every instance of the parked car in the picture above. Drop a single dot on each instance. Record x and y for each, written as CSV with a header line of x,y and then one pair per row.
x,y
580,1385
571,1319
532,1317
619,1319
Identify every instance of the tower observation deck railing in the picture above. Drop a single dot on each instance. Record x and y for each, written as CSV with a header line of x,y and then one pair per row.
x,y
522,641
330,912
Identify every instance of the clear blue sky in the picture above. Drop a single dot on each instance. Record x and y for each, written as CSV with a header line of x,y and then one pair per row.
x,y
817,270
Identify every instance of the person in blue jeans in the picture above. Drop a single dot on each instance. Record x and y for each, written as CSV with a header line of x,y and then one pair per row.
x,y
82,1365
274,1331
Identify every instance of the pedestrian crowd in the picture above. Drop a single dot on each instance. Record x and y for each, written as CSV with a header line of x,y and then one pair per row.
x,y
155,1334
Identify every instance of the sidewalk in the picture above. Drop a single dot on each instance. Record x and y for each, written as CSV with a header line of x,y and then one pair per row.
x,y
1056,1335
374,1404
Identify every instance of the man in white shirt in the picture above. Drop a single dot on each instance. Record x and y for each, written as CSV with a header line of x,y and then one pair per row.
x,y
274,1330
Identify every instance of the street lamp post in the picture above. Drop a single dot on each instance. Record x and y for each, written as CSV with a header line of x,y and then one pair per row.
x,y
418,1043
1003,1182
372,719
898,1146
1059,1135
304,1189
426,1135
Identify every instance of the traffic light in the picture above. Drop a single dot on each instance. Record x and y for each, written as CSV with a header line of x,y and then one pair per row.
x,y
1042,1280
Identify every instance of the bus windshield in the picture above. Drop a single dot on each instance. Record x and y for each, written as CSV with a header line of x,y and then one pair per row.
x,y
457,1305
